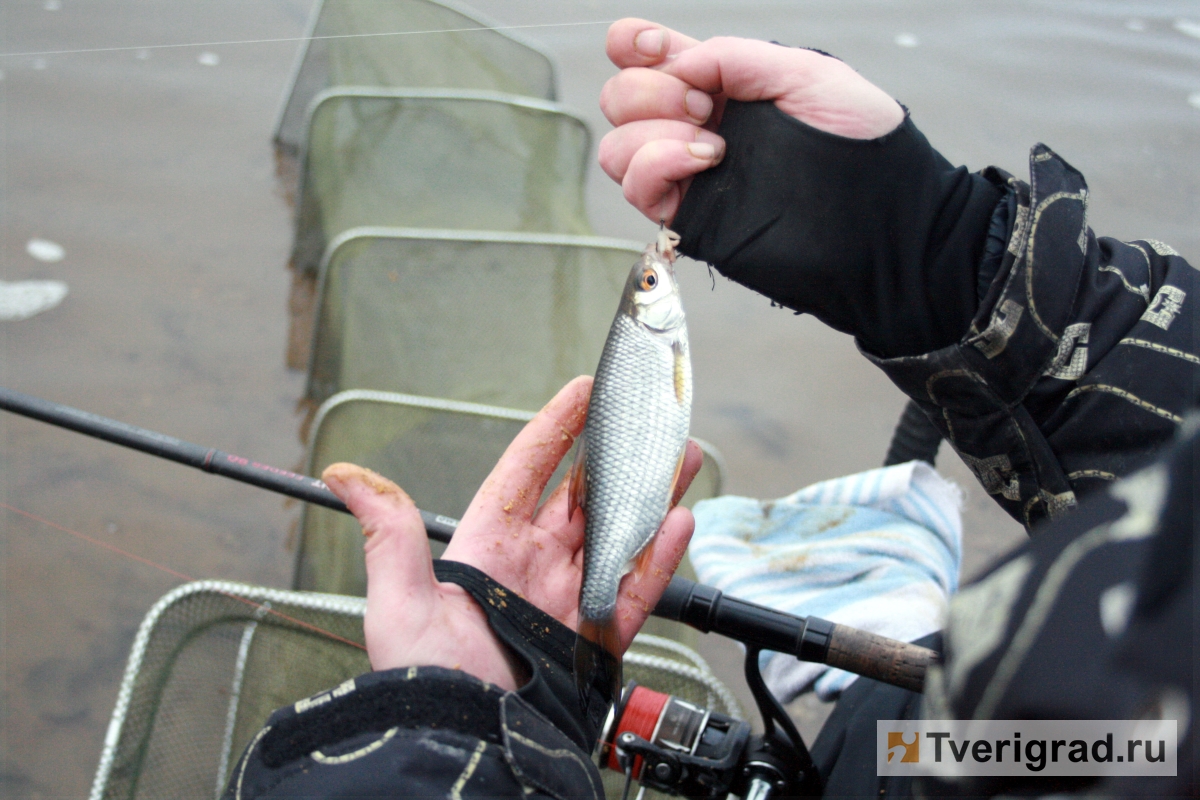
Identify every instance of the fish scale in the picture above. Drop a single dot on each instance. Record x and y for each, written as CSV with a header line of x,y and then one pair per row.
x,y
630,452
637,428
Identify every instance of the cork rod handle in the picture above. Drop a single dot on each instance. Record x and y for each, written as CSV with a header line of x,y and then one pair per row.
x,y
887,660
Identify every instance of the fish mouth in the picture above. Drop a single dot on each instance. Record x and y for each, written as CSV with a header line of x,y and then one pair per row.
x,y
666,243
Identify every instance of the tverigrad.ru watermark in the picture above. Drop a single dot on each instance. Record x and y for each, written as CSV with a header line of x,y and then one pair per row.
x,y
1026,747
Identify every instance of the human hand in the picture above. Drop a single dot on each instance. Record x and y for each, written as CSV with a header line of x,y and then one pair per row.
x,y
412,619
667,100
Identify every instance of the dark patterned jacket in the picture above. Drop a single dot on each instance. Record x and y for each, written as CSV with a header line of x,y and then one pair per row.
x,y
1079,361
1094,619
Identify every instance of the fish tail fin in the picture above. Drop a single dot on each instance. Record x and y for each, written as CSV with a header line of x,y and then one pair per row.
x,y
597,659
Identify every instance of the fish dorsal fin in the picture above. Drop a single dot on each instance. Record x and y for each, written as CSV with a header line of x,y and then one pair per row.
x,y
577,478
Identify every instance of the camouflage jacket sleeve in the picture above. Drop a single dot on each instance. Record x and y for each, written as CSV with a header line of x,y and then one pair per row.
x,y
413,732
1052,360
433,732
1081,357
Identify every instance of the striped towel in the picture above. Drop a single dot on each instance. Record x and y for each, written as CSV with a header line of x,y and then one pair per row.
x,y
879,550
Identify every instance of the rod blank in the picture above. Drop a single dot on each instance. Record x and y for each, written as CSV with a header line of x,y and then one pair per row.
x,y
209,459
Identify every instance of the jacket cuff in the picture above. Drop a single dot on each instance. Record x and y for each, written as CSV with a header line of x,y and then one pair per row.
x,y
415,729
973,390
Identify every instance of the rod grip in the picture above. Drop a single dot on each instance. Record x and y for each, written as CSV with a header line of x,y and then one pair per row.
x,y
872,656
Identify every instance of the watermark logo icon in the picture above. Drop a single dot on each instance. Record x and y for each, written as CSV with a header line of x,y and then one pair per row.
x,y
909,752
961,748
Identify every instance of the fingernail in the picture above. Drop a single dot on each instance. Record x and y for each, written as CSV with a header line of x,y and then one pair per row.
x,y
698,104
708,137
334,475
702,150
649,43
341,475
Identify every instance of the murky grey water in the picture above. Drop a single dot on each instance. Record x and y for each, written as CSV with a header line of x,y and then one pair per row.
x,y
153,170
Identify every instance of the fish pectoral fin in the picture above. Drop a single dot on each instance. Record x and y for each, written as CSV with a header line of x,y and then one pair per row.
x,y
642,561
675,498
577,479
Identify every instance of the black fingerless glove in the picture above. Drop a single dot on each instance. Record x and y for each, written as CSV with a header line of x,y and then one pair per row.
x,y
878,238
545,645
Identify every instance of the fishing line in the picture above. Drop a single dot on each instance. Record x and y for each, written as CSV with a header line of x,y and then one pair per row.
x,y
176,574
301,39
99,543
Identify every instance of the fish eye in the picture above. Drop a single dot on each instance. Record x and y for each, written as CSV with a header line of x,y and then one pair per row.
x,y
649,280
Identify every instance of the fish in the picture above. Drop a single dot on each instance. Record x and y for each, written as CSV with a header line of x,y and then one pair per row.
x,y
630,452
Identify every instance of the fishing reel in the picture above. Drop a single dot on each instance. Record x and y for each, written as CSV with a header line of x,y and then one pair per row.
x,y
676,747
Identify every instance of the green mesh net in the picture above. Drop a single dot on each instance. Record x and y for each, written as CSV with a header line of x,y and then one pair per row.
x,y
209,664
371,43
494,318
213,659
426,158
440,452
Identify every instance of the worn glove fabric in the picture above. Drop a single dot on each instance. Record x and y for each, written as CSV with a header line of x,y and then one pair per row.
x,y
880,238
879,550
544,644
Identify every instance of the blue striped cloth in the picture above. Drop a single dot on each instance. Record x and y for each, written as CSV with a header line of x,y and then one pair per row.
x,y
879,550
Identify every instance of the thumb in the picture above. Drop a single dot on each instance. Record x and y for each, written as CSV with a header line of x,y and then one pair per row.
x,y
742,69
816,89
399,566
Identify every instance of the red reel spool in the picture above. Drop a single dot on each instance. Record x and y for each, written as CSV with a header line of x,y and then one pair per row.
x,y
640,716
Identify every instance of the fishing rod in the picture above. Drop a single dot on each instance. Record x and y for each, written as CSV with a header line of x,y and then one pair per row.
x,y
209,459
697,605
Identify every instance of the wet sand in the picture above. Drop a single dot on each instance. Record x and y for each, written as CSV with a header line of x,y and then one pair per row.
x,y
156,175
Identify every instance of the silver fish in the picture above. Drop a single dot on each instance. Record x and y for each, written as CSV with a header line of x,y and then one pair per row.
x,y
630,451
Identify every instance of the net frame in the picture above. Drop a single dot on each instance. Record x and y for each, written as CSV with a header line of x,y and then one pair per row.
x,y
658,663
293,103
712,484
134,684
319,526
312,240
314,390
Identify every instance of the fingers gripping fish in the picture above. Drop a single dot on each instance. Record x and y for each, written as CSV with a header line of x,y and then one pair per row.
x,y
630,451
